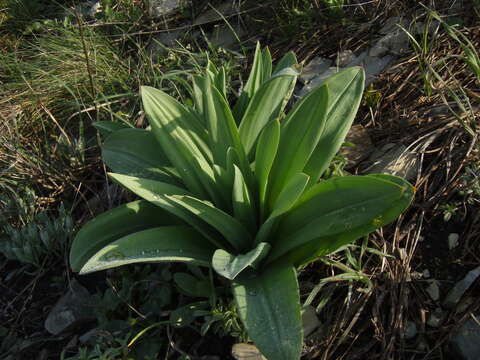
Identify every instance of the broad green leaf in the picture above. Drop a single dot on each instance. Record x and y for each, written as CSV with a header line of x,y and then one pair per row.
x,y
229,266
114,224
264,157
269,306
232,230
108,127
197,86
266,64
345,90
287,199
160,194
287,61
266,105
253,83
220,83
222,130
192,286
337,207
136,152
300,134
243,206
182,139
160,244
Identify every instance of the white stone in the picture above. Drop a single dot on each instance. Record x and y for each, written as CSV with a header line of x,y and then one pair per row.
x,y
315,67
456,293
246,352
159,8
433,290
345,58
310,320
397,160
453,240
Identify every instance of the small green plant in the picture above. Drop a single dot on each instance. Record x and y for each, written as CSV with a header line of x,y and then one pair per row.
x,y
239,191
36,241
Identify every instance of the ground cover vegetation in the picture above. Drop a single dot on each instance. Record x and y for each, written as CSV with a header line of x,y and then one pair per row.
x,y
63,70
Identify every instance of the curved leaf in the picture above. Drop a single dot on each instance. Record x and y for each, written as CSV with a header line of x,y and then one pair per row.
x,y
254,81
287,61
269,306
232,230
264,157
243,206
136,152
229,266
339,208
301,132
345,90
160,244
266,105
159,194
114,224
106,128
183,140
287,199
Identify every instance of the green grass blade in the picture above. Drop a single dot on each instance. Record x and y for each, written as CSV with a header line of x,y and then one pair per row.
x,y
159,244
269,306
301,132
345,90
114,224
136,152
339,208
266,105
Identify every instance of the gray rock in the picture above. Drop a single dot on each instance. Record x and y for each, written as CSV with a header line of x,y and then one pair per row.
x,y
456,293
310,320
391,25
223,36
395,42
159,44
394,159
159,8
433,290
218,13
410,330
435,319
74,308
87,9
89,336
374,65
345,58
246,352
453,240
314,68
466,341
318,80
